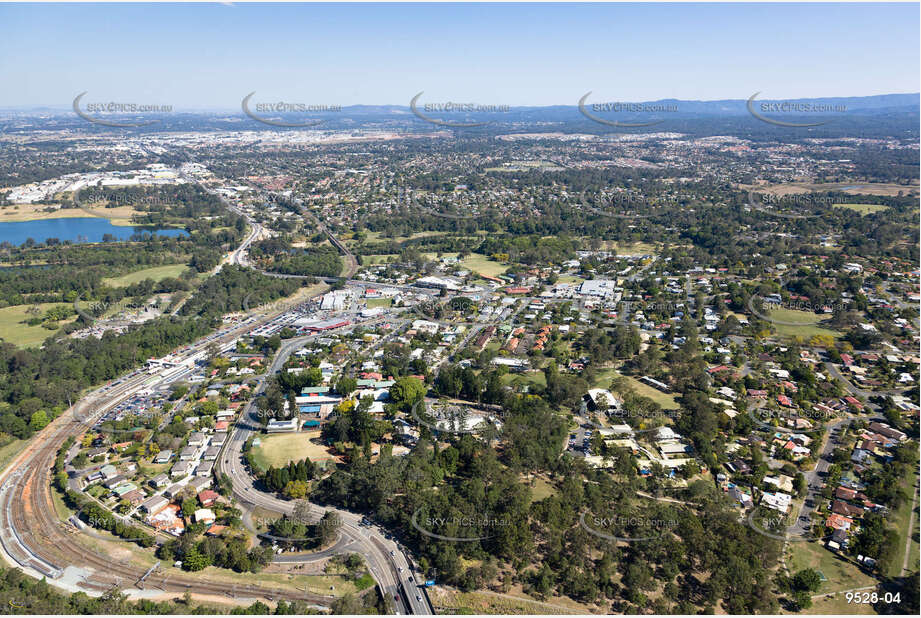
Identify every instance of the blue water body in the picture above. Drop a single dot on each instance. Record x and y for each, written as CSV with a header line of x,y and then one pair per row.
x,y
82,229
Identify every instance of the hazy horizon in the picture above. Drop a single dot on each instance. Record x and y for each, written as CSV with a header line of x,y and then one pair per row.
x,y
208,56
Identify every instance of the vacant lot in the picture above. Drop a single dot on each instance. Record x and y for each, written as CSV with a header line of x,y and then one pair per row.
x,y
570,279
840,574
486,602
156,273
900,521
278,449
635,248
541,489
666,400
14,330
528,378
378,236
369,260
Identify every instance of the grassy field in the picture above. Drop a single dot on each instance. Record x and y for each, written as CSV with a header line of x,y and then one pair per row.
x,y
807,324
35,212
156,273
541,489
13,330
494,345
900,520
529,377
863,209
483,265
636,248
840,574
666,400
430,255
370,260
378,236
8,452
456,602
570,279
278,449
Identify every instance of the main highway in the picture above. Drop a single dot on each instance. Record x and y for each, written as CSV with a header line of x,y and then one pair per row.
x,y
388,564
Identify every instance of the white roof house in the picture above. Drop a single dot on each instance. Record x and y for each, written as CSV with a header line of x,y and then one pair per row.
x,y
778,501
204,515
667,433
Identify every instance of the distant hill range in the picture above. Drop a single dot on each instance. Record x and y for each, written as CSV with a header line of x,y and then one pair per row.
x,y
876,104
879,116
883,103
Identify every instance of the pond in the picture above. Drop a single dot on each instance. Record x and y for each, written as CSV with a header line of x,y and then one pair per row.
x,y
79,229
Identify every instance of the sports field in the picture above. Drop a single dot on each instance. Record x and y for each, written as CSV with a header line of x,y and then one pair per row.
x,y
483,265
278,449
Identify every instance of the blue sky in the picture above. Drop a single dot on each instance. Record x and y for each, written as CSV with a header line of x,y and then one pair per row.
x,y
211,55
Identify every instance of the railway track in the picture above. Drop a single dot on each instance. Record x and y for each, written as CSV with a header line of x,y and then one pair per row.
x,y
36,539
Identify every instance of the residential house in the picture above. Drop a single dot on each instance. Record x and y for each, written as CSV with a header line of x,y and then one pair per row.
x,y
778,501
848,510
154,505
204,516
208,497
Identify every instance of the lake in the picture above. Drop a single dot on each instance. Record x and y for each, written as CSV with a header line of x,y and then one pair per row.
x,y
78,229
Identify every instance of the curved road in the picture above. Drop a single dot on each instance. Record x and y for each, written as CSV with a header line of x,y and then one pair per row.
x,y
388,564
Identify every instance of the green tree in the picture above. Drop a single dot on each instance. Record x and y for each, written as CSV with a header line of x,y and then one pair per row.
x,y
296,489
194,560
407,391
39,420
808,580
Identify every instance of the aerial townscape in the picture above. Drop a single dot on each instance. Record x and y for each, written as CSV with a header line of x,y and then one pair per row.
x,y
549,356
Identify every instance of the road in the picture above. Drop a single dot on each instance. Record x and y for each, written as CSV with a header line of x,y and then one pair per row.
x,y
238,255
384,557
815,479
385,568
